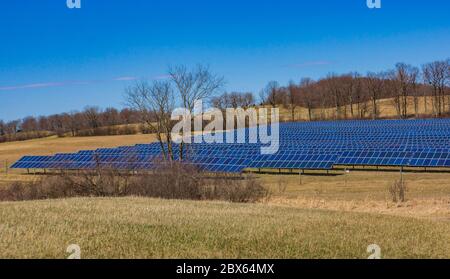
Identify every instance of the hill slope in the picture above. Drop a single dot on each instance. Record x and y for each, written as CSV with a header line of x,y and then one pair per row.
x,y
149,228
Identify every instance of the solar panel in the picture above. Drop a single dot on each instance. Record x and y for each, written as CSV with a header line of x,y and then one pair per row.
x,y
306,145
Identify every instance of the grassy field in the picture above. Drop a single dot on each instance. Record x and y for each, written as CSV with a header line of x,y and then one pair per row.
x,y
150,228
316,216
428,194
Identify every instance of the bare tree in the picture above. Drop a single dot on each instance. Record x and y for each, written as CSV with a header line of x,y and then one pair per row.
x,y
374,83
92,115
405,77
12,127
447,82
74,122
2,128
334,89
129,116
436,74
292,96
269,94
349,87
358,94
29,124
220,102
197,84
155,102
247,99
192,86
306,95
414,79
110,117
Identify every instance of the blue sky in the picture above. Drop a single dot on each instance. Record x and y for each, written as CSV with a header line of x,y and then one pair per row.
x,y
53,59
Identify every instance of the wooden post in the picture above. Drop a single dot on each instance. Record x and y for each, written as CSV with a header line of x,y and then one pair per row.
x,y
300,176
6,166
345,178
401,176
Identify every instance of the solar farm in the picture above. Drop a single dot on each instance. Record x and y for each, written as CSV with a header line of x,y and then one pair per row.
x,y
302,146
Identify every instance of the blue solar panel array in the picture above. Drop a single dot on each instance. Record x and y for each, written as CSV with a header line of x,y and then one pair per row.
x,y
304,145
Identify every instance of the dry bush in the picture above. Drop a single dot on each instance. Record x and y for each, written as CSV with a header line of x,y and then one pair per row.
x,y
23,136
282,185
108,131
146,129
397,191
168,181
235,188
180,181
49,188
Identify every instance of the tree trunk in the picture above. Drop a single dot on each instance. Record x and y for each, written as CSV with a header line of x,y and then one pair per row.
x,y
425,103
374,108
416,106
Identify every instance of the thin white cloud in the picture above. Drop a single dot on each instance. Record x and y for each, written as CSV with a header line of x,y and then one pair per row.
x,y
29,86
66,83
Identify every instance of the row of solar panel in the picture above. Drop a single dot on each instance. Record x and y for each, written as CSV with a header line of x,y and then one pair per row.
x,y
324,162
301,145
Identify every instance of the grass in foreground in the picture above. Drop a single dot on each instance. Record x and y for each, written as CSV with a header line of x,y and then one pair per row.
x,y
150,228
428,194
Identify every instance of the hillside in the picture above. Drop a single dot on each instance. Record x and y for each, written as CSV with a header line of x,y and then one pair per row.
x,y
149,228
386,109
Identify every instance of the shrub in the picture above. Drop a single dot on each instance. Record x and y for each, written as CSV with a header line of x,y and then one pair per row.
x,y
397,191
168,181
109,131
23,136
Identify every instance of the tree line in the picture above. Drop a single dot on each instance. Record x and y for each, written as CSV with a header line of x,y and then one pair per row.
x,y
89,122
355,96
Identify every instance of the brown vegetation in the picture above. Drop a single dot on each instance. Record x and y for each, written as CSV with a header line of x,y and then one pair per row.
x,y
397,191
92,121
168,181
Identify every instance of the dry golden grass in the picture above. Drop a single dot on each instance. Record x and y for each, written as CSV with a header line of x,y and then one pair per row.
x,y
428,194
386,109
151,228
